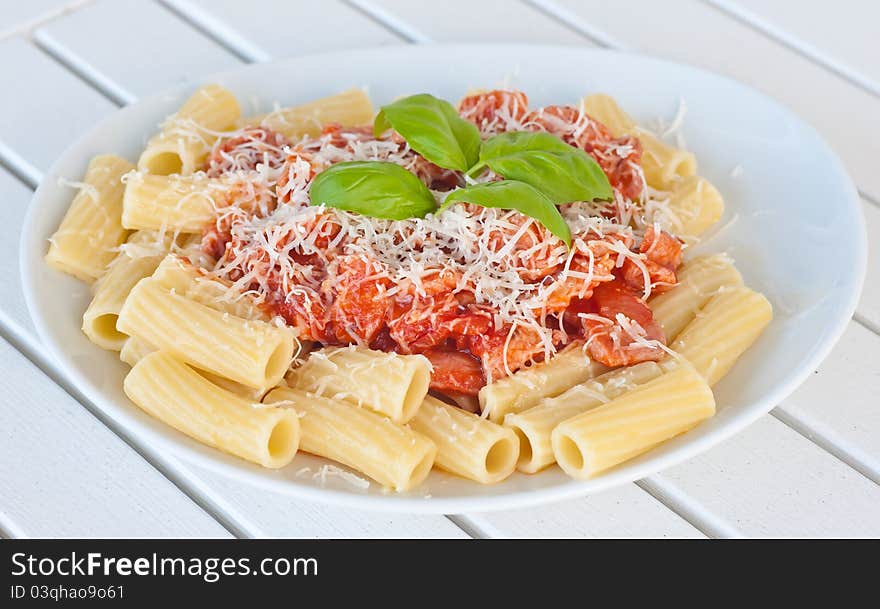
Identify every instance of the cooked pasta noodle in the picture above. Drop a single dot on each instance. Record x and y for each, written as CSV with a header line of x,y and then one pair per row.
x,y
633,423
87,238
171,391
535,425
467,445
393,455
186,138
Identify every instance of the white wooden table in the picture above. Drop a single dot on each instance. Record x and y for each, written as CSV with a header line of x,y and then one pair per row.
x,y
809,468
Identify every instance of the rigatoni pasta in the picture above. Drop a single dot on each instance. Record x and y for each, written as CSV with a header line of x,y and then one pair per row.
x,y
456,310
171,391
87,238
178,203
110,292
349,108
186,138
663,164
694,205
535,425
627,426
393,455
180,276
698,280
527,387
723,329
391,384
467,445
251,352
135,349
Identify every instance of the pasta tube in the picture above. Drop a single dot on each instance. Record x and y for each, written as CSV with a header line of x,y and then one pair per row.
x,y
698,280
187,137
528,386
723,329
388,383
467,445
393,455
174,393
175,273
694,205
349,108
134,350
662,164
633,423
179,203
86,241
251,352
99,320
535,425
607,111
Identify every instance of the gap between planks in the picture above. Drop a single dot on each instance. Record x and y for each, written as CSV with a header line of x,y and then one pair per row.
x,y
79,68
222,36
386,19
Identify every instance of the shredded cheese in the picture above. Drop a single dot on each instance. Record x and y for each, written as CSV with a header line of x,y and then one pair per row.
x,y
498,265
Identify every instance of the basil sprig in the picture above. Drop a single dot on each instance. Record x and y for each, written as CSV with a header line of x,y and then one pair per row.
x,y
373,188
540,170
562,172
433,128
512,194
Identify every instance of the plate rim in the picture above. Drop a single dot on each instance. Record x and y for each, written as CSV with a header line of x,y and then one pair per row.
x,y
218,462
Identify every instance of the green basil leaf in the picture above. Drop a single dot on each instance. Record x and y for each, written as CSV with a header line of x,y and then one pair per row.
x,y
562,172
380,124
512,142
510,194
373,188
433,128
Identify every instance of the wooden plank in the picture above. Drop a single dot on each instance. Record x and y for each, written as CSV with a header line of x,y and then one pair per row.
x,y
263,514
699,34
154,51
242,26
467,21
573,512
838,404
65,474
769,481
845,42
231,500
627,511
35,126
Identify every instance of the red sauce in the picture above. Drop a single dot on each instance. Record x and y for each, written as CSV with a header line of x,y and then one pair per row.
x,y
349,303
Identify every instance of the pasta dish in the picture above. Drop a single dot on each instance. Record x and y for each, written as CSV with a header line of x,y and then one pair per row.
x,y
480,288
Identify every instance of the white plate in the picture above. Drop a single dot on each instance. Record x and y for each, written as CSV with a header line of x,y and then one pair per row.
x,y
793,223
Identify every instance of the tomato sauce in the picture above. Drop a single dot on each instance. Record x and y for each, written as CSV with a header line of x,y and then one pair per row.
x,y
337,296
